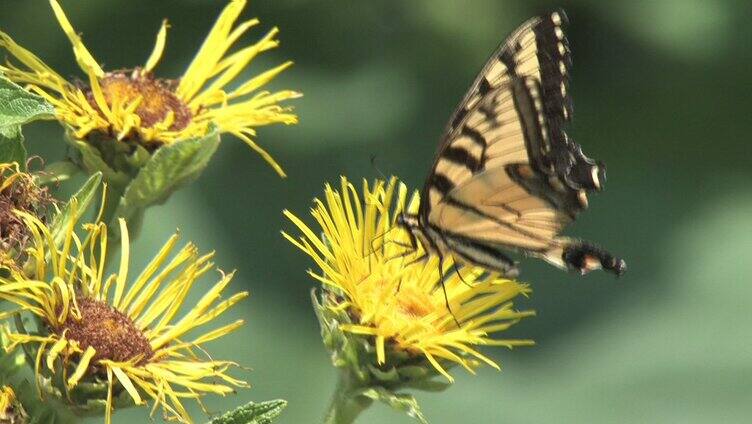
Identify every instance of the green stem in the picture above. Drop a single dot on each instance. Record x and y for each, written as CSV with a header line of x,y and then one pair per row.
x,y
346,403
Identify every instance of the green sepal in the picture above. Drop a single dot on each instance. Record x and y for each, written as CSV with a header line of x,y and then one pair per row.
x,y
398,401
138,177
76,206
169,168
91,161
253,413
355,356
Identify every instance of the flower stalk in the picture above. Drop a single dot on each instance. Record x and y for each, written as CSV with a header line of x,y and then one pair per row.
x,y
347,402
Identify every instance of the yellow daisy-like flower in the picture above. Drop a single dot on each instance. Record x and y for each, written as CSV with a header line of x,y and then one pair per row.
x,y
137,105
396,298
99,329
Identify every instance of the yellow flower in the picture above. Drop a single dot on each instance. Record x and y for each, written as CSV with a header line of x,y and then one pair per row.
x,y
136,105
396,298
99,329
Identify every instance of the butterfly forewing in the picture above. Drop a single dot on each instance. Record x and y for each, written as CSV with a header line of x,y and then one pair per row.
x,y
537,49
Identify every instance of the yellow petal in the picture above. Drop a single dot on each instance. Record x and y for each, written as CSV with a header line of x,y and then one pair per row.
x,y
83,366
156,54
54,352
124,259
127,384
263,153
108,405
210,52
83,57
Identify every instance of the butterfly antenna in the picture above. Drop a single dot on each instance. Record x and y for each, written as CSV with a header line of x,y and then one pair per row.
x,y
376,167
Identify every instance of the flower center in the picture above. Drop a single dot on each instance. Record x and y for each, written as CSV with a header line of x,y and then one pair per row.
x,y
414,303
156,98
110,332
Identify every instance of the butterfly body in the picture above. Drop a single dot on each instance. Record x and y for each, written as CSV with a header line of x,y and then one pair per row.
x,y
506,176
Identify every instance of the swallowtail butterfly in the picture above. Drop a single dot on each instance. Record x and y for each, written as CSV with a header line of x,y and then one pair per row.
x,y
506,176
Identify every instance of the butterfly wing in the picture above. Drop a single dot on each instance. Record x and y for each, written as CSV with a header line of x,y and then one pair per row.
x,y
537,50
485,185
506,174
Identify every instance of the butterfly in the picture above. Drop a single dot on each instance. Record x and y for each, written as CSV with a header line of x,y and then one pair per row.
x,y
506,176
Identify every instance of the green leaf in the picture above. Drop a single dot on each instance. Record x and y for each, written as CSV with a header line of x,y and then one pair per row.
x,y
18,107
169,168
398,401
253,413
12,149
75,207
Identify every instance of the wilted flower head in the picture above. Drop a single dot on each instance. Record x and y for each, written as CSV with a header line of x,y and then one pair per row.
x,y
11,410
18,191
386,294
136,105
118,334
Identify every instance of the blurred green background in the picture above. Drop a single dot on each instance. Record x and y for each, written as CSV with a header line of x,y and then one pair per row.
x,y
661,89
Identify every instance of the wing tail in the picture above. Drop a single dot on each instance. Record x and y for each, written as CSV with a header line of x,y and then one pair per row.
x,y
584,257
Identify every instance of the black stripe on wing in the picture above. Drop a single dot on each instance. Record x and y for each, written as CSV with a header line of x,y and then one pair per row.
x,y
569,163
462,157
554,61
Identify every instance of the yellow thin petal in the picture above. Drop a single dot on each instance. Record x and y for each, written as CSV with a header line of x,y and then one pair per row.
x,y
149,271
263,153
438,367
210,52
142,301
380,351
124,259
127,384
108,404
85,60
159,46
54,352
83,366
219,332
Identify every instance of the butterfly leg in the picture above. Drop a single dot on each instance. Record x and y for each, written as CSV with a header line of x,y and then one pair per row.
x,y
457,270
420,258
375,238
443,288
405,253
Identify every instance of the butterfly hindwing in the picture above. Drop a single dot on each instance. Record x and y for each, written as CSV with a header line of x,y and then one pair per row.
x,y
489,193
